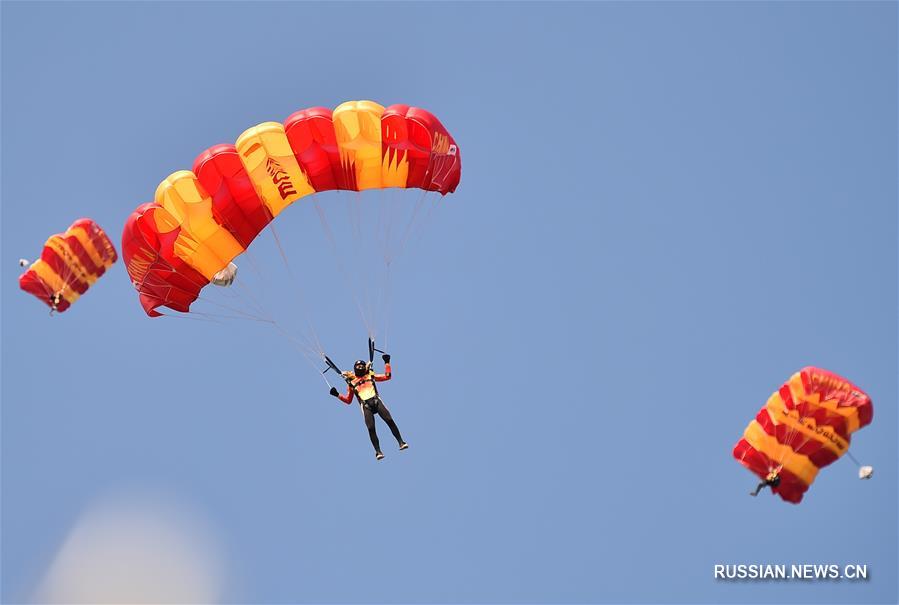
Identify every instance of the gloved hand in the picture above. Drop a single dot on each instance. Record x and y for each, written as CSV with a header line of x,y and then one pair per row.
x,y
334,392
386,358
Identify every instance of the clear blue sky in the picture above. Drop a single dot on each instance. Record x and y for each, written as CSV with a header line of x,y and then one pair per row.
x,y
665,210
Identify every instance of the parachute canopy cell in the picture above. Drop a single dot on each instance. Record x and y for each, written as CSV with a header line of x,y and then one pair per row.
x,y
69,264
805,425
202,219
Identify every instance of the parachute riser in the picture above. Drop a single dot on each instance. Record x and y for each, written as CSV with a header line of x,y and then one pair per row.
x,y
333,366
372,349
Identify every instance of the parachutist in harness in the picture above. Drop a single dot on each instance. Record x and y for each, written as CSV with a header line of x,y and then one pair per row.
x,y
55,299
772,480
361,384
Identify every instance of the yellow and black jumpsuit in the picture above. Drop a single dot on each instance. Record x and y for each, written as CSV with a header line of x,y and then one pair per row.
x,y
363,387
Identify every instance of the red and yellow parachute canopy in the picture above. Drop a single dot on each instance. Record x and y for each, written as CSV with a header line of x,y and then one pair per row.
x,y
202,219
805,426
70,263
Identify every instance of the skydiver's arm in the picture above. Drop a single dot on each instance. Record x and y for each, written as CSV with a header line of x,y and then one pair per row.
x,y
348,398
385,376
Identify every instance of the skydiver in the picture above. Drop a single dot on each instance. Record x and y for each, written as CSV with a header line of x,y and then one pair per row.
x,y
361,383
772,480
55,299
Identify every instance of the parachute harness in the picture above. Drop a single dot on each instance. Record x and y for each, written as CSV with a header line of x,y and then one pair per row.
x,y
369,376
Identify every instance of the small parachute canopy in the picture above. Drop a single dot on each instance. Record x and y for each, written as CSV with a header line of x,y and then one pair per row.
x,y
806,425
225,277
70,263
865,472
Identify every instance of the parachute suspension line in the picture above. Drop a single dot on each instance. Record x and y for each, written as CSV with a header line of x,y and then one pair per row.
x,y
171,287
260,274
388,234
793,433
384,234
360,280
304,348
334,251
281,252
440,164
303,343
296,284
386,213
369,254
275,323
806,439
391,253
789,449
244,314
795,450
429,173
209,317
241,315
247,290
427,220
851,457
255,266
307,352
401,243
325,378
48,291
264,316
379,224
213,317
382,244
68,272
244,294
262,311
246,253
386,305
353,213
424,218
189,317
377,246
331,366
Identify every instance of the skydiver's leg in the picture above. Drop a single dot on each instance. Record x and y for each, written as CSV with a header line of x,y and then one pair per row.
x,y
758,488
370,425
385,415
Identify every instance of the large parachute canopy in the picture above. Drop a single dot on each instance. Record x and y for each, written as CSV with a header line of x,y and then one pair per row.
x,y
202,219
805,425
69,264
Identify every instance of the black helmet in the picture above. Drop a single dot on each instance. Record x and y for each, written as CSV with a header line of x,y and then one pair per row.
x,y
360,368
